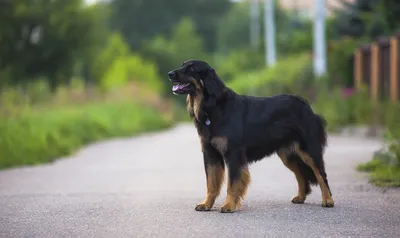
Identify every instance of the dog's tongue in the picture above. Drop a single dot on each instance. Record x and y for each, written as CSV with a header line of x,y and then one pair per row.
x,y
177,87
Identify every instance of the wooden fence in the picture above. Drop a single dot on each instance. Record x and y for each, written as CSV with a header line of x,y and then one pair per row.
x,y
377,66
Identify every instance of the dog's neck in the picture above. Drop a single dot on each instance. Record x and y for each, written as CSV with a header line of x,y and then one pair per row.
x,y
200,107
195,107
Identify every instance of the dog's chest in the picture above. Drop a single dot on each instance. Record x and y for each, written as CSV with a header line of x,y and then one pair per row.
x,y
220,143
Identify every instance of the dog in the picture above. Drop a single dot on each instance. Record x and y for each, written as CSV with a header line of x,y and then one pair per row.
x,y
237,130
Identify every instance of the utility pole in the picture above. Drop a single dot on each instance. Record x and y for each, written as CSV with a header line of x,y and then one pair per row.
x,y
269,25
254,24
319,39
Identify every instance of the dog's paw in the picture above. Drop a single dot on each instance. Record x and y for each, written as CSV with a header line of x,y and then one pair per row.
x,y
298,200
202,207
228,208
328,202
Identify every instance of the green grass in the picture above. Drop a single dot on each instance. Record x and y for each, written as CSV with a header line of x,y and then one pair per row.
x,y
41,136
381,173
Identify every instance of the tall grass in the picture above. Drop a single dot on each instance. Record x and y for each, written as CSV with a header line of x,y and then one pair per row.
x,y
33,133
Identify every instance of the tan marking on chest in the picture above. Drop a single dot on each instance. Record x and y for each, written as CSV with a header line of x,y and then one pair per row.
x,y
193,104
189,106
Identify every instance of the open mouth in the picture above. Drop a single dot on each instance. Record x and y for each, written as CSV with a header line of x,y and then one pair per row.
x,y
182,88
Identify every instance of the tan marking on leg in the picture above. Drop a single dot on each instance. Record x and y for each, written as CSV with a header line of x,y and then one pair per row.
x,y
236,192
301,183
215,179
220,143
327,200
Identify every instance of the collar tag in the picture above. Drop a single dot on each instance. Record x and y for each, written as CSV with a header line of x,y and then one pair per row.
x,y
208,122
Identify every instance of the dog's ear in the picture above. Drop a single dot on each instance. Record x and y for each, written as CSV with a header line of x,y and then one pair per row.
x,y
211,83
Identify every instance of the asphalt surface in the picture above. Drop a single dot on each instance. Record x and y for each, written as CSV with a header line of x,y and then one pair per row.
x,y
148,186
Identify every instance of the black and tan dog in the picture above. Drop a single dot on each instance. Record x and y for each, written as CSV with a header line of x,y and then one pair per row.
x,y
236,130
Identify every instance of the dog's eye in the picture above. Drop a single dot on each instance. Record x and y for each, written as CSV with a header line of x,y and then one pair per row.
x,y
192,69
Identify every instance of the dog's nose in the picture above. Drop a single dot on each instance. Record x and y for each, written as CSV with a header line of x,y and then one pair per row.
x,y
171,74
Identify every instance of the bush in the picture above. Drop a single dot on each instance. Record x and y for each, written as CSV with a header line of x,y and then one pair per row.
x,y
131,68
340,61
117,65
239,62
291,75
169,53
381,174
384,168
41,136
341,108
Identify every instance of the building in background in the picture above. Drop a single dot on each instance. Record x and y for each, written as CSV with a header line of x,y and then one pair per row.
x,y
306,8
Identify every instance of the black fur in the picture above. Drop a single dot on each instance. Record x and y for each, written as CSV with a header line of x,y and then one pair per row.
x,y
255,127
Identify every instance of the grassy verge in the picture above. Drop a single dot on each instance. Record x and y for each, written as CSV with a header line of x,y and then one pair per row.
x,y
381,173
384,168
39,136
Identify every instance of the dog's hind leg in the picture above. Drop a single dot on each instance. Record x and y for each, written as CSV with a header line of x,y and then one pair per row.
x,y
320,174
291,161
215,171
239,179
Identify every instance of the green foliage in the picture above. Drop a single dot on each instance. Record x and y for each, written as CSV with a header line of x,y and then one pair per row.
x,y
381,174
131,68
141,21
391,112
368,19
5,76
384,168
169,53
46,38
340,109
293,32
291,75
114,49
238,62
42,136
233,29
298,41
370,165
386,176
334,108
340,60
116,65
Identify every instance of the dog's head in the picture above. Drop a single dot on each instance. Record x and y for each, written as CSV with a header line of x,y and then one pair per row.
x,y
194,77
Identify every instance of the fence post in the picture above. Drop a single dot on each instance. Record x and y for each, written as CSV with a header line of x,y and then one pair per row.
x,y
394,70
374,71
357,68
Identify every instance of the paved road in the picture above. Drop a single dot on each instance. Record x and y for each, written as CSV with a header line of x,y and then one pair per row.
x,y
148,187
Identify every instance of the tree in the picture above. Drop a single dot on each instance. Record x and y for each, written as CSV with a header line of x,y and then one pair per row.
x,y
367,18
47,38
293,34
140,21
168,53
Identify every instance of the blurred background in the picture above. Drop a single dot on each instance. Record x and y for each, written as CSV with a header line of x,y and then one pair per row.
x,y
77,71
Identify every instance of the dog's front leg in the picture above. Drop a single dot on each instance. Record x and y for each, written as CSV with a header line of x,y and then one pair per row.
x,y
215,171
239,179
